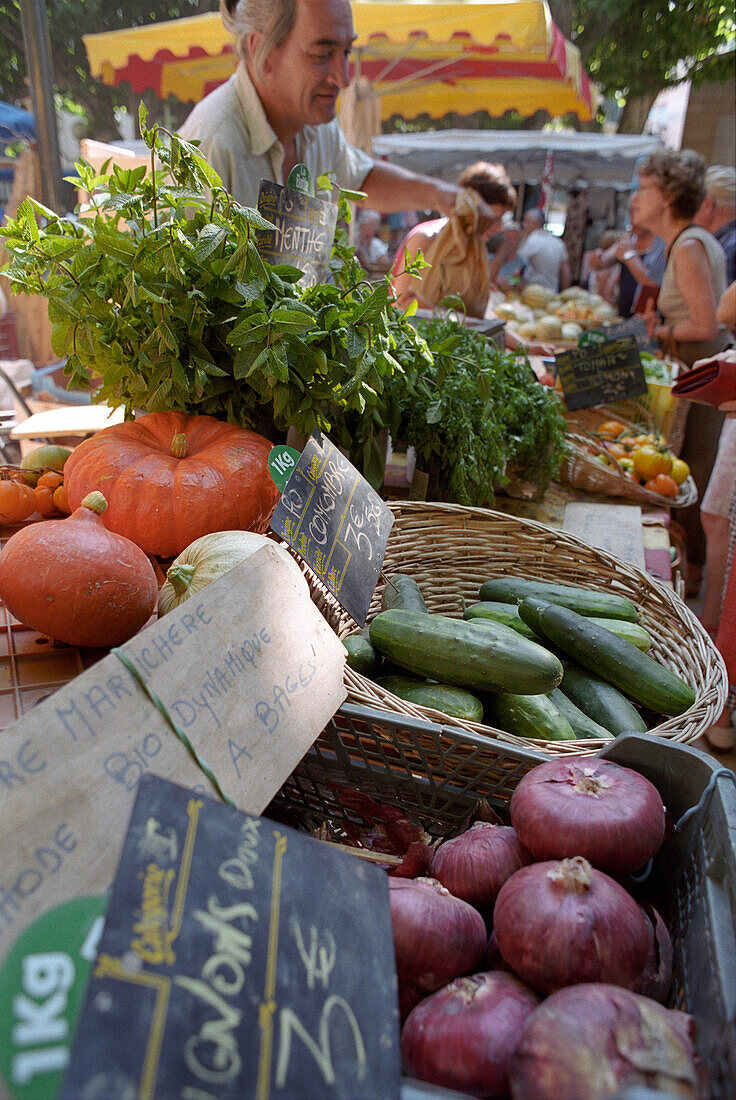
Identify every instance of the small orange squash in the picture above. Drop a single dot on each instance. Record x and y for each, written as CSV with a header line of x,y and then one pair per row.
x,y
171,478
77,582
17,500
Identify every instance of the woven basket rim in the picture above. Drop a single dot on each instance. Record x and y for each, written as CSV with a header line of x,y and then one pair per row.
x,y
679,638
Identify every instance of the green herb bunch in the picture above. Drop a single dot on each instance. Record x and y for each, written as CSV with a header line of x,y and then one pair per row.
x,y
474,413
158,294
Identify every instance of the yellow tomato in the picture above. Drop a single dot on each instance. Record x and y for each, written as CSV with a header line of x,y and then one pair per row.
x,y
650,461
627,463
680,471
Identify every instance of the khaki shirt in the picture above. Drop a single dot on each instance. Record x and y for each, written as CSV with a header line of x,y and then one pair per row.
x,y
236,139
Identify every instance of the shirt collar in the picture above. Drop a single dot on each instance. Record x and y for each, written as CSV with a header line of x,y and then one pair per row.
x,y
262,135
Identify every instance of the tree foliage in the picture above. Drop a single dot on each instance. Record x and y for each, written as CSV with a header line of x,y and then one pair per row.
x,y
68,20
633,47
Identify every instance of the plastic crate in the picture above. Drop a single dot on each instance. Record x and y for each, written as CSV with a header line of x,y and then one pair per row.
x,y
436,774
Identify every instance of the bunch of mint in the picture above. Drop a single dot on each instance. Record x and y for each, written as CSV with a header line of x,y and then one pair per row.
x,y
157,291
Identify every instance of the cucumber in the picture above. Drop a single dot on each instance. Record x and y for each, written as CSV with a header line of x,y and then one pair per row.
x,y
624,628
451,700
402,591
586,601
362,657
601,701
528,716
582,725
508,614
505,613
455,652
614,659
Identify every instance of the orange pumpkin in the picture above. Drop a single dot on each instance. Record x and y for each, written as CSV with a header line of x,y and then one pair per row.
x,y
77,582
169,478
17,500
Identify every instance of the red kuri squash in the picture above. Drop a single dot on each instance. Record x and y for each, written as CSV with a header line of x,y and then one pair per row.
x,y
170,478
77,582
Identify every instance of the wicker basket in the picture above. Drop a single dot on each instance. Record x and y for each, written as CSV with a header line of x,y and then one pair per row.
x,y
581,470
450,550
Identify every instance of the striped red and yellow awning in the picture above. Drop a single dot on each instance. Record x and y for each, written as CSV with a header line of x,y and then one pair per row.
x,y
419,57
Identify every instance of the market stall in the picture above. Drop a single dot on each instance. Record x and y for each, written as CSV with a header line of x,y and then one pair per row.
x,y
256,703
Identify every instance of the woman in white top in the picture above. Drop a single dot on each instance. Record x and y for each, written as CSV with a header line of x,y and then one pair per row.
x,y
670,191
669,194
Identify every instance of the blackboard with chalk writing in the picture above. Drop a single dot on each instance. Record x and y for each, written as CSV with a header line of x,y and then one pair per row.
x,y
336,522
303,234
632,326
239,959
600,373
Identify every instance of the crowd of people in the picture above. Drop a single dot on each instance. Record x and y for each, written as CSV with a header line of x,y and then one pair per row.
x,y
672,265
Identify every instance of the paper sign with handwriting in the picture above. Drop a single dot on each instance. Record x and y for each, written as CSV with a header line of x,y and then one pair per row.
x,y
239,959
336,522
250,672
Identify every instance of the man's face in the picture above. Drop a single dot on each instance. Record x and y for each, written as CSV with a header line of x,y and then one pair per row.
x,y
303,76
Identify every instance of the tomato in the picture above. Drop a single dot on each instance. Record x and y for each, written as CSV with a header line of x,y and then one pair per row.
x,y
662,484
616,450
627,463
44,500
680,470
60,499
610,429
51,479
650,461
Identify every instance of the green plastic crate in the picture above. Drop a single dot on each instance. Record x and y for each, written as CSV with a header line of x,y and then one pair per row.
x,y
436,774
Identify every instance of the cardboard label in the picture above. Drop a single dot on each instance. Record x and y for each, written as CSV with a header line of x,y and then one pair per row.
x,y
248,669
336,522
239,959
615,528
303,234
598,374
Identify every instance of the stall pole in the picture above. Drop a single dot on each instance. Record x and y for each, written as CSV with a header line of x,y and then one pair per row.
x,y
41,80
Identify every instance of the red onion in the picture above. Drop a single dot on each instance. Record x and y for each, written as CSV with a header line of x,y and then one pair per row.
x,y
610,814
437,937
493,959
656,979
560,923
588,1041
475,865
463,1036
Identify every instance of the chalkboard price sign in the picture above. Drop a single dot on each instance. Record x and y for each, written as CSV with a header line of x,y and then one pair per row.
x,y
632,326
605,372
304,229
239,959
336,522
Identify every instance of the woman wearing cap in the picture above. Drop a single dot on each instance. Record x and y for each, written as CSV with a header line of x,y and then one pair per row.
x,y
668,196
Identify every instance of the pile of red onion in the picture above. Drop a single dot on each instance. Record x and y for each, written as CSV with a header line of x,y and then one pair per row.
x,y
525,969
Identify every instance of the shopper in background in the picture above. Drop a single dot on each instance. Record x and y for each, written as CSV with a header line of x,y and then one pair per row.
x,y
717,212
503,252
669,194
369,248
493,186
641,259
545,256
722,734
278,109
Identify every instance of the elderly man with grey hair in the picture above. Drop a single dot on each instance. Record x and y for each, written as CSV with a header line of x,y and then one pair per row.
x,y
278,109
717,212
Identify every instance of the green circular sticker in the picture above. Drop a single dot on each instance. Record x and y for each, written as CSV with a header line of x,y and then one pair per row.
x,y
282,463
42,984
